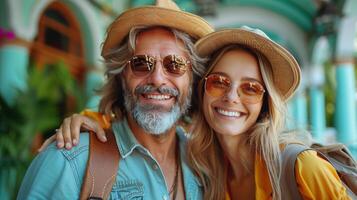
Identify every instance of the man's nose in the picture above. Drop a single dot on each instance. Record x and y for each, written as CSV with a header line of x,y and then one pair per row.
x,y
157,77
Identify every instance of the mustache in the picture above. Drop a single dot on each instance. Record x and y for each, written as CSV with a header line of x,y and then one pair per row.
x,y
145,89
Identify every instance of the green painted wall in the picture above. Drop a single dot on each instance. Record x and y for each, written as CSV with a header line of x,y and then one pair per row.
x,y
307,7
27,10
186,5
4,15
13,71
292,11
137,3
118,6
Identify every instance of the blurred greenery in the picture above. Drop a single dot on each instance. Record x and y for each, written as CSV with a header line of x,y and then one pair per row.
x,y
329,89
52,94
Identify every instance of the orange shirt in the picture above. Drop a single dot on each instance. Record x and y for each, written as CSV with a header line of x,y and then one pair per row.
x,y
316,179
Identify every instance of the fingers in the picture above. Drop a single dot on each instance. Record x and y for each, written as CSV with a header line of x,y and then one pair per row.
x,y
80,122
47,142
59,138
95,127
66,132
75,127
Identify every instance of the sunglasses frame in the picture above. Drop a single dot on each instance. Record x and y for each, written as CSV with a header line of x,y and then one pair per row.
x,y
238,90
151,64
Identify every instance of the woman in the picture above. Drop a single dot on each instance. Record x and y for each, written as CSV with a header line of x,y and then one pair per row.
x,y
243,115
238,136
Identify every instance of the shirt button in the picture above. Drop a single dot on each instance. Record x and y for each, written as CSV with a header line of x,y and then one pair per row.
x,y
155,167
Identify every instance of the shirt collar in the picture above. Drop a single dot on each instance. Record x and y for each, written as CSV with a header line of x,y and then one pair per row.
x,y
124,137
127,142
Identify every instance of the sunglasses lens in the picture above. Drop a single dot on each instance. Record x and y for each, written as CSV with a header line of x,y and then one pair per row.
x,y
175,65
140,65
217,85
251,92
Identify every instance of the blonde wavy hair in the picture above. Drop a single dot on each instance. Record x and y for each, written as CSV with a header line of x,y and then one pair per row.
x,y
112,101
205,153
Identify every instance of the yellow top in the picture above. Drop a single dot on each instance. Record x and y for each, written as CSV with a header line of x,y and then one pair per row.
x,y
103,120
316,179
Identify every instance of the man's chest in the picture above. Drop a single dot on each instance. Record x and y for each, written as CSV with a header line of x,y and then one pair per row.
x,y
141,177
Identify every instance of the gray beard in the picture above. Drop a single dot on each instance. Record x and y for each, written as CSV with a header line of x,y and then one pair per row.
x,y
153,118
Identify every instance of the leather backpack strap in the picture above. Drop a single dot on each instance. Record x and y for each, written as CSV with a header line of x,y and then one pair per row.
x,y
102,167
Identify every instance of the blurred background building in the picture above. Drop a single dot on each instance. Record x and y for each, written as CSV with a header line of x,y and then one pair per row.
x,y
50,64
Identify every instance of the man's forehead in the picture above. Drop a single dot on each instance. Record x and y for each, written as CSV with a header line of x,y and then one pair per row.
x,y
159,39
161,32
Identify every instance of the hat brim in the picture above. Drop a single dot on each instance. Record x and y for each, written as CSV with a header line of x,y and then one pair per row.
x,y
189,23
286,70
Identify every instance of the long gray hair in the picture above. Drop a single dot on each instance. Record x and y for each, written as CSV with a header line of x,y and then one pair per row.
x,y
112,101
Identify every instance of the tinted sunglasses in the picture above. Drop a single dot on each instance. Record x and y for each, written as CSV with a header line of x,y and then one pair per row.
x,y
143,65
217,85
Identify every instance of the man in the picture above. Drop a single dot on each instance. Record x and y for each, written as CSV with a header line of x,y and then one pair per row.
x,y
150,71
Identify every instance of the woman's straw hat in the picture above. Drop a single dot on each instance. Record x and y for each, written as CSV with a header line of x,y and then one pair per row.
x,y
286,70
164,13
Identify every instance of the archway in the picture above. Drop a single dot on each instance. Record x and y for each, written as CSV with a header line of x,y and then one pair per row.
x,y
59,39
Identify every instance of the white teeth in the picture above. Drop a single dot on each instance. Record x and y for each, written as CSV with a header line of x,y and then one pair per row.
x,y
158,97
228,113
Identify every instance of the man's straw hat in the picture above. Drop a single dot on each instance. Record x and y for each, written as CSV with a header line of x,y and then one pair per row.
x,y
164,13
286,70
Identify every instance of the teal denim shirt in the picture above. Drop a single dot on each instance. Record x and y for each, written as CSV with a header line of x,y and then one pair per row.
x,y
58,174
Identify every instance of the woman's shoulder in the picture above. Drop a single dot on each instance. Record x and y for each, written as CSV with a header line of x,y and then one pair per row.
x,y
316,177
310,159
310,164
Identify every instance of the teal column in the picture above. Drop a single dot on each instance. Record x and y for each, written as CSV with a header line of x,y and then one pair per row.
x,y
301,111
297,108
13,71
94,82
317,113
345,115
290,118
